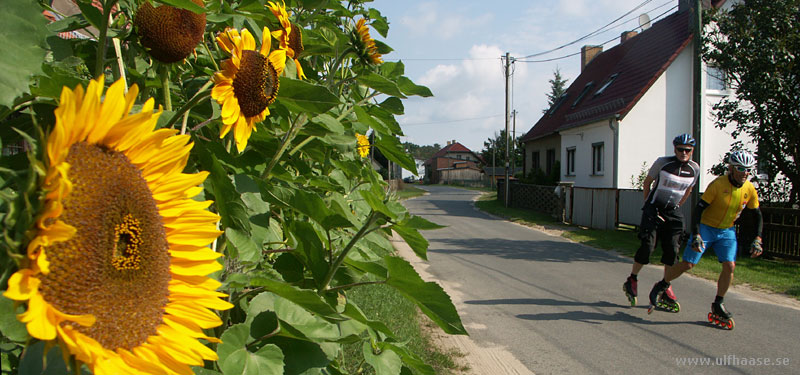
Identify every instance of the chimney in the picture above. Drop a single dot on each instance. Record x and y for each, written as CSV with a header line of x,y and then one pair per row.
x,y
454,141
626,36
588,53
448,143
688,4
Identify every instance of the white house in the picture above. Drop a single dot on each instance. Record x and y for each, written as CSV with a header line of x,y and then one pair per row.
x,y
627,105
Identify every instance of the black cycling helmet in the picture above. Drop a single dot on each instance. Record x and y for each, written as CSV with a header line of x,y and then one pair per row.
x,y
683,140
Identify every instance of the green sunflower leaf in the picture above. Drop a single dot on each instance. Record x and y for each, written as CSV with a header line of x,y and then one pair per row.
x,y
428,296
393,150
410,88
185,4
10,327
235,358
408,358
380,83
393,105
23,35
385,362
301,96
415,240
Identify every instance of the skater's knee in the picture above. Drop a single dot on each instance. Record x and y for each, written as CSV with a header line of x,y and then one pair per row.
x,y
685,266
728,267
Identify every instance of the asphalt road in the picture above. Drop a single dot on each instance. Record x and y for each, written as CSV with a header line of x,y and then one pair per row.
x,y
558,306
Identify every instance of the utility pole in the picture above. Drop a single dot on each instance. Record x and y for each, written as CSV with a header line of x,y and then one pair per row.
x,y
494,154
514,142
697,89
507,73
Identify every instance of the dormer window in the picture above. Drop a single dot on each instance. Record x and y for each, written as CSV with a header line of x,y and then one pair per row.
x,y
583,93
558,103
605,85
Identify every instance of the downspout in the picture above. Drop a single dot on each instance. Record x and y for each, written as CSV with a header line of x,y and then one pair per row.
x,y
613,124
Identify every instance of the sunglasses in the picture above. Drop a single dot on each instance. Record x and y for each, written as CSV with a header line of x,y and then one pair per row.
x,y
684,149
743,169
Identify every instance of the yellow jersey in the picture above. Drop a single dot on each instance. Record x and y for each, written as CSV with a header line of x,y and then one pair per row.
x,y
726,202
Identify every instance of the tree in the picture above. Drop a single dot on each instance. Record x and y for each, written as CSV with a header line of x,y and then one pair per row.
x,y
558,86
421,152
498,144
756,44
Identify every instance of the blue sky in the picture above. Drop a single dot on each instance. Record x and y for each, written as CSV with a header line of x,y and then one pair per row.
x,y
454,48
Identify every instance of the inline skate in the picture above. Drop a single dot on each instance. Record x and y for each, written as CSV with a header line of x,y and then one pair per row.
x,y
630,288
720,316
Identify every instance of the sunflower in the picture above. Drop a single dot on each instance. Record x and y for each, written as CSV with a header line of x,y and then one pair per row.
x,y
248,83
365,45
363,145
289,36
169,33
116,272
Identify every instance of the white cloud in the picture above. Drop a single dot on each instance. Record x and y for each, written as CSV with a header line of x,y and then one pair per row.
x,y
430,20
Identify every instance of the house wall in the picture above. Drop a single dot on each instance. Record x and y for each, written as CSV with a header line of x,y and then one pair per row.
x,y
583,138
461,156
542,145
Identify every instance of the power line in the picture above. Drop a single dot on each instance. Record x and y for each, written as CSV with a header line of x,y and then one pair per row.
x,y
451,121
604,43
598,31
445,59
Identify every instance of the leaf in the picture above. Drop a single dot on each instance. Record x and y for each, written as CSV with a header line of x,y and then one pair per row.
x,y
415,240
352,311
376,203
380,83
393,104
92,14
387,362
429,296
232,210
22,34
301,96
310,249
10,326
329,122
407,86
366,119
235,359
313,206
248,251
308,299
185,4
34,360
408,358
422,223
392,149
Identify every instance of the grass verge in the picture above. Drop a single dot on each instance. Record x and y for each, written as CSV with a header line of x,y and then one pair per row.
x,y
774,275
409,192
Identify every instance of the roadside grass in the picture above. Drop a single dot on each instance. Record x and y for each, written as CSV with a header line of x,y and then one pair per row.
x,y
775,275
384,303
409,192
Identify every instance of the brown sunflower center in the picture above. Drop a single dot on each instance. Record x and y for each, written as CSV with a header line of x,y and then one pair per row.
x,y
116,266
170,33
255,84
296,41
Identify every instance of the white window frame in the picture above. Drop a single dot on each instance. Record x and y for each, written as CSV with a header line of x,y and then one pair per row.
x,y
570,165
598,166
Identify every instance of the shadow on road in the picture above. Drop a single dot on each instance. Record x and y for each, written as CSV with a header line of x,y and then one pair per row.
x,y
599,318
539,251
540,302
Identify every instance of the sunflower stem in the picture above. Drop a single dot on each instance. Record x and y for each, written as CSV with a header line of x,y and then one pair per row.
x,y
340,287
165,87
100,63
210,56
302,144
340,259
198,97
296,125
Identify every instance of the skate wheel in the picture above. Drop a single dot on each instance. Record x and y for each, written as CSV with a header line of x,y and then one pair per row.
x,y
677,307
730,325
710,317
633,301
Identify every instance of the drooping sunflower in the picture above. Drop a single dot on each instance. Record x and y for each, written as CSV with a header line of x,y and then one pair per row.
x,y
363,145
289,36
117,271
365,45
248,83
169,33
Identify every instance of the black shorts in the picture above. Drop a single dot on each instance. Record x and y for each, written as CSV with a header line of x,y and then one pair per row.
x,y
658,224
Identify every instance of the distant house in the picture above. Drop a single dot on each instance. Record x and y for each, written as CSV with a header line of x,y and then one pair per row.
x,y
626,106
453,162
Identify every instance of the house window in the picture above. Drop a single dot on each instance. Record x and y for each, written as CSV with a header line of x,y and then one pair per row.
x,y
605,85
535,160
551,160
583,93
716,78
458,156
557,104
571,161
597,158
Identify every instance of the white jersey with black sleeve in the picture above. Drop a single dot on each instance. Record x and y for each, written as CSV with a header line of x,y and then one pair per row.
x,y
673,178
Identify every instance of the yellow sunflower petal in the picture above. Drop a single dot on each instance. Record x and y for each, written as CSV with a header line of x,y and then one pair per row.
x,y
39,318
22,285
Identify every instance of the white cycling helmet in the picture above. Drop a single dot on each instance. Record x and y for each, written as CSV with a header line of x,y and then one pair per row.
x,y
742,158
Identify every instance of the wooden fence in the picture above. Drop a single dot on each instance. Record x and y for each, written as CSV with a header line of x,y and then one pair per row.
x,y
608,208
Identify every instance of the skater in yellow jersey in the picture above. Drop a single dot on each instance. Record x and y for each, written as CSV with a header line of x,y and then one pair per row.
x,y
721,204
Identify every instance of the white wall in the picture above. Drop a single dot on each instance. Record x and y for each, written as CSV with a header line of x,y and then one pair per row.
x,y
582,139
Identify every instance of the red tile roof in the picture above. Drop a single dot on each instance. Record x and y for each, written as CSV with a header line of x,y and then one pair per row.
x,y
638,63
453,147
